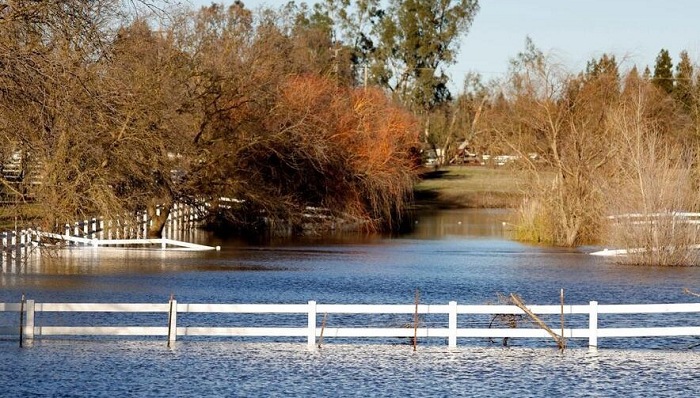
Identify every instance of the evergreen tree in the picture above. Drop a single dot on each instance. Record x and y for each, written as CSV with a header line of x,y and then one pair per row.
x,y
632,82
605,66
663,72
683,90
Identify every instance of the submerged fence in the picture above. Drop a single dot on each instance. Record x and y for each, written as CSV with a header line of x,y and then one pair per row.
x,y
16,246
582,321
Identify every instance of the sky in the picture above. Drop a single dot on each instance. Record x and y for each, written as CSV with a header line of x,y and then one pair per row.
x,y
570,32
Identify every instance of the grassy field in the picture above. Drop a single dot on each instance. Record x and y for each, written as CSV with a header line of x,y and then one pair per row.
x,y
470,186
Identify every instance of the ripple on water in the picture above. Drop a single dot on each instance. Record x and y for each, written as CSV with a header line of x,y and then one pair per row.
x,y
99,368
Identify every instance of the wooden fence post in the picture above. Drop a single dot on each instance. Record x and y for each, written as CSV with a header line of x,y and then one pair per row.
x,y
29,320
593,326
3,250
21,321
22,243
452,324
172,321
312,326
17,247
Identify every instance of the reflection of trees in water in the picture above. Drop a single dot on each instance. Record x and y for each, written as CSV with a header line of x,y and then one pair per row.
x,y
461,222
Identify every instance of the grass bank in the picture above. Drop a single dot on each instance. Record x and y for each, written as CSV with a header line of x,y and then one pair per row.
x,y
470,187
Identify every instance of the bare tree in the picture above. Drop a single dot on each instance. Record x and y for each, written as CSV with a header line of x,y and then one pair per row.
x,y
655,177
554,123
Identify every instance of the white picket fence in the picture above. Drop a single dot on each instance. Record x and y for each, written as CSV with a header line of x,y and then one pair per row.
x,y
130,230
182,217
314,332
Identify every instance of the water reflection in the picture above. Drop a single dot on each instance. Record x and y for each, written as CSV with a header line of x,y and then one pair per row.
x,y
461,255
483,223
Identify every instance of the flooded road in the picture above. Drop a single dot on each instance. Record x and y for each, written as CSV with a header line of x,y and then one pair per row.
x,y
460,255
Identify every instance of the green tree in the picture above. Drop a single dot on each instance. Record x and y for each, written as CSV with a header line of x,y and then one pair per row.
x,y
663,72
684,88
605,66
417,40
355,24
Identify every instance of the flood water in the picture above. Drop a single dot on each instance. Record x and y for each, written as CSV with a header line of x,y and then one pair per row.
x,y
460,255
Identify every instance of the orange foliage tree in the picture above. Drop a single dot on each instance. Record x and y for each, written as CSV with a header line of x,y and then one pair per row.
x,y
322,145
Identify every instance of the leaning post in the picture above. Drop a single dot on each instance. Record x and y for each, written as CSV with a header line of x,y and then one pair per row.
x,y
593,326
312,326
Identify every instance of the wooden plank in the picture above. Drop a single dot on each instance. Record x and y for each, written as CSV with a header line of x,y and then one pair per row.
x,y
507,332
9,307
244,308
242,331
648,308
512,309
101,331
649,332
383,308
102,307
386,332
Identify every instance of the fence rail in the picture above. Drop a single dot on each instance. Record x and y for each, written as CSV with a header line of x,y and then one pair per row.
x,y
29,328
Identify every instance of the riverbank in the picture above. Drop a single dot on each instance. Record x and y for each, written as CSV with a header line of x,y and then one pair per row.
x,y
455,187
451,187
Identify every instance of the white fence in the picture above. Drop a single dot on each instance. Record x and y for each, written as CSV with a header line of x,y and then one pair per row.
x,y
673,219
16,246
452,314
181,218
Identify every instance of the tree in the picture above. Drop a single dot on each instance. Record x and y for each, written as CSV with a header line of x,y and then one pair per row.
x,y
663,72
560,118
354,25
684,80
454,125
145,85
108,118
280,129
605,66
657,180
50,102
417,40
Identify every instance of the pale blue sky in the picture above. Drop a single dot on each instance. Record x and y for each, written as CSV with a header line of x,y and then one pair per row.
x,y
570,31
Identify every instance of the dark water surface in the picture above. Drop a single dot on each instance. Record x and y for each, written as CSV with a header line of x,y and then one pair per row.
x,y
452,255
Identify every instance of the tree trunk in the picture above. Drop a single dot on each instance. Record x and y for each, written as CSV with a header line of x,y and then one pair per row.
x,y
155,230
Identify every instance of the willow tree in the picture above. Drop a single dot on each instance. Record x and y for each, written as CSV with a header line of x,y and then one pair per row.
x,y
270,107
82,114
145,85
